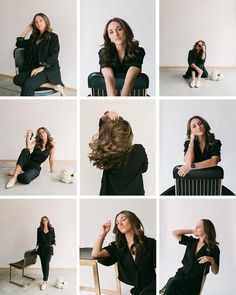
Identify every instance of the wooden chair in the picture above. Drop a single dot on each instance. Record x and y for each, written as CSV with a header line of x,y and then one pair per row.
x,y
30,258
199,182
86,259
97,84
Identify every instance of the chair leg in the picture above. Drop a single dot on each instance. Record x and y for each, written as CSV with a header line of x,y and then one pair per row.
x,y
96,279
23,275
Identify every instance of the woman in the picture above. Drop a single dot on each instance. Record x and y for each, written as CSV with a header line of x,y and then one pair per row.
x,y
45,243
43,147
122,163
41,67
120,54
196,60
132,250
201,150
200,255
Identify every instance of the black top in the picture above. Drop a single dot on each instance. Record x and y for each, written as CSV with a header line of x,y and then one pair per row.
x,y
127,179
37,157
45,240
47,50
191,266
122,67
209,151
139,272
193,58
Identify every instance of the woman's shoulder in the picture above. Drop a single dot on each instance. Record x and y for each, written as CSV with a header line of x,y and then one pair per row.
x,y
138,147
150,241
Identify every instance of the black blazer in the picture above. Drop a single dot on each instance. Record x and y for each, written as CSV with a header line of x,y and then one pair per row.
x,y
45,241
47,56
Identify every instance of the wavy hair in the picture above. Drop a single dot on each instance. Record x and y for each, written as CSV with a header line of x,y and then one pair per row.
x,y
41,225
210,137
110,147
138,229
210,234
37,36
109,52
200,53
39,141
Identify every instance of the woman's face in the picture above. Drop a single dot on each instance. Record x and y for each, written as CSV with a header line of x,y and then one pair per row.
x,y
123,224
116,33
199,229
199,45
45,221
197,127
40,23
42,134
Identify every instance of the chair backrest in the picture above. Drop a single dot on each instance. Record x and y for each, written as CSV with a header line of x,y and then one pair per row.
x,y
97,84
19,55
30,258
199,182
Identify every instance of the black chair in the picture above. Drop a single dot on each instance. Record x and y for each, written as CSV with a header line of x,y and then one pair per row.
x,y
199,182
98,87
86,259
30,258
19,54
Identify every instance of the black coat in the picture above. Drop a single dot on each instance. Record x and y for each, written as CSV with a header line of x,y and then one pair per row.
x,y
140,272
193,58
45,241
48,51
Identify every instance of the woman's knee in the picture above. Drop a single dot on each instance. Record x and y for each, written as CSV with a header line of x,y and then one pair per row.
x,y
24,178
17,80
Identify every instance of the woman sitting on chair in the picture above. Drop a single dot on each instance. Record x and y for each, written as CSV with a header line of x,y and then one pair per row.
x,y
200,255
122,162
132,250
41,67
201,150
43,147
120,54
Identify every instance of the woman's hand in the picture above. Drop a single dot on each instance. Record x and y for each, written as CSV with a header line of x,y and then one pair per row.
x,y
105,228
29,133
112,116
27,30
192,137
205,259
36,71
184,170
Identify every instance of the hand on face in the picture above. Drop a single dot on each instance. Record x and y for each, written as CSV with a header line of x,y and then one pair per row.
x,y
192,137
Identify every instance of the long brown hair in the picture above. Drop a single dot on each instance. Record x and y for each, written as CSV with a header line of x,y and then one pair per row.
x,y
210,234
138,229
201,52
41,226
110,147
39,142
109,52
37,36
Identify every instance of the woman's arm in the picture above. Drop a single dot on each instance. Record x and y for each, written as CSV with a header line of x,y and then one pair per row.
x,y
189,155
179,232
53,52
51,159
211,260
131,74
26,31
109,78
213,161
98,252
28,143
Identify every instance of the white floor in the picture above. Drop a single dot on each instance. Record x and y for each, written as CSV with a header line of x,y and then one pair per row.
x,y
68,275
173,84
45,184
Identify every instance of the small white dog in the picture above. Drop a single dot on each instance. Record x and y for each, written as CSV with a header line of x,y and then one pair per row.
x,y
216,75
67,175
61,283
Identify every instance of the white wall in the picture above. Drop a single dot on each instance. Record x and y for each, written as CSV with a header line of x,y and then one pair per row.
x,y
20,220
182,23
174,114
94,213
141,116
140,15
182,214
15,15
58,116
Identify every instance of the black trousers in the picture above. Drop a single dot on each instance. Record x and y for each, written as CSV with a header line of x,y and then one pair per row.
x,y
45,257
30,171
30,84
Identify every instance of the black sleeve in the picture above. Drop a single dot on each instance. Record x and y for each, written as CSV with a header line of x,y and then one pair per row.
x,y
145,160
53,237
102,62
216,255
53,52
22,42
216,151
111,249
186,144
191,57
138,60
186,240
38,237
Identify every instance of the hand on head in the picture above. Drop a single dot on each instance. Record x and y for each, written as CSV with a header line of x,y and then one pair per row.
x,y
112,116
106,228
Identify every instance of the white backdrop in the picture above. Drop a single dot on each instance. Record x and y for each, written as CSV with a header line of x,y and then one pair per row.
x,y
184,214
58,116
141,116
174,114
94,213
21,219
140,15
15,15
182,23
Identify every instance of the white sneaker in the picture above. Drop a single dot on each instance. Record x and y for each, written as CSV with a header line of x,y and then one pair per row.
x,y
11,183
60,89
193,83
43,286
198,84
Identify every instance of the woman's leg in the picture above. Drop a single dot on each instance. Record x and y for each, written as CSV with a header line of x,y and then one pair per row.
x,y
32,83
20,79
45,260
29,175
57,88
193,82
198,82
169,192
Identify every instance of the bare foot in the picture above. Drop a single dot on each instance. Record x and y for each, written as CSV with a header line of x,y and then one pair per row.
x,y
10,173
